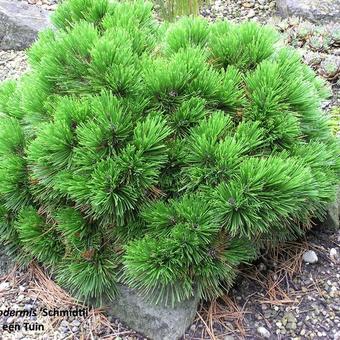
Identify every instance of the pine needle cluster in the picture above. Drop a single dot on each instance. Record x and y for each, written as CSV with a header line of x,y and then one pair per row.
x,y
159,156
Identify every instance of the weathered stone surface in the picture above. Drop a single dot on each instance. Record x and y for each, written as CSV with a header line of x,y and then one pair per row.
x,y
155,322
333,214
314,10
6,264
20,24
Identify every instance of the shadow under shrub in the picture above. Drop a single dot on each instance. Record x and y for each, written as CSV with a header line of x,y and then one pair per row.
x,y
159,156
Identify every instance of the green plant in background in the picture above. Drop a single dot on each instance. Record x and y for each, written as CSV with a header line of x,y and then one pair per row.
x,y
335,120
159,157
170,9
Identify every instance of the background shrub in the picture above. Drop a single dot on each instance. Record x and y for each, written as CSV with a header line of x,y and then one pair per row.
x,y
170,9
159,156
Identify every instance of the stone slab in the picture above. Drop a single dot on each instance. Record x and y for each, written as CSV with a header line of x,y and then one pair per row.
x,y
155,322
332,220
20,24
318,11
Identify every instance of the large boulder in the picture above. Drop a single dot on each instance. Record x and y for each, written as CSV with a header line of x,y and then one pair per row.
x,y
20,24
319,11
155,322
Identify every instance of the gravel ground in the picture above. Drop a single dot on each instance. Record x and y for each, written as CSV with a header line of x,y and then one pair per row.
x,y
304,306
238,10
12,64
49,5
35,296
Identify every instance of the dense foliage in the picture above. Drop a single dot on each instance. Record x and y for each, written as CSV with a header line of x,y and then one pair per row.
x,y
160,156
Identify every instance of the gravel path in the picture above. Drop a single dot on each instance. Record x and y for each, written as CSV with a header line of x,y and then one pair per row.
x,y
266,302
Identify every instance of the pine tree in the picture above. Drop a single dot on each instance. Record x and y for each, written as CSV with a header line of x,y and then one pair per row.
x,y
159,156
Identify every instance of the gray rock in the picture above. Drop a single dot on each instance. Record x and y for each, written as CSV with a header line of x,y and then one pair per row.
x,y
20,24
6,264
333,214
156,322
310,257
263,332
320,11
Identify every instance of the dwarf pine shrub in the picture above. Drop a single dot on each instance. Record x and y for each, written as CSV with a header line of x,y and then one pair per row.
x,y
161,157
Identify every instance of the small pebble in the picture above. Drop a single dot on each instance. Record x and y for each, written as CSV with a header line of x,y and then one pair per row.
x,y
333,254
248,5
76,323
28,306
251,14
64,323
228,337
21,298
310,257
4,286
10,320
263,332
